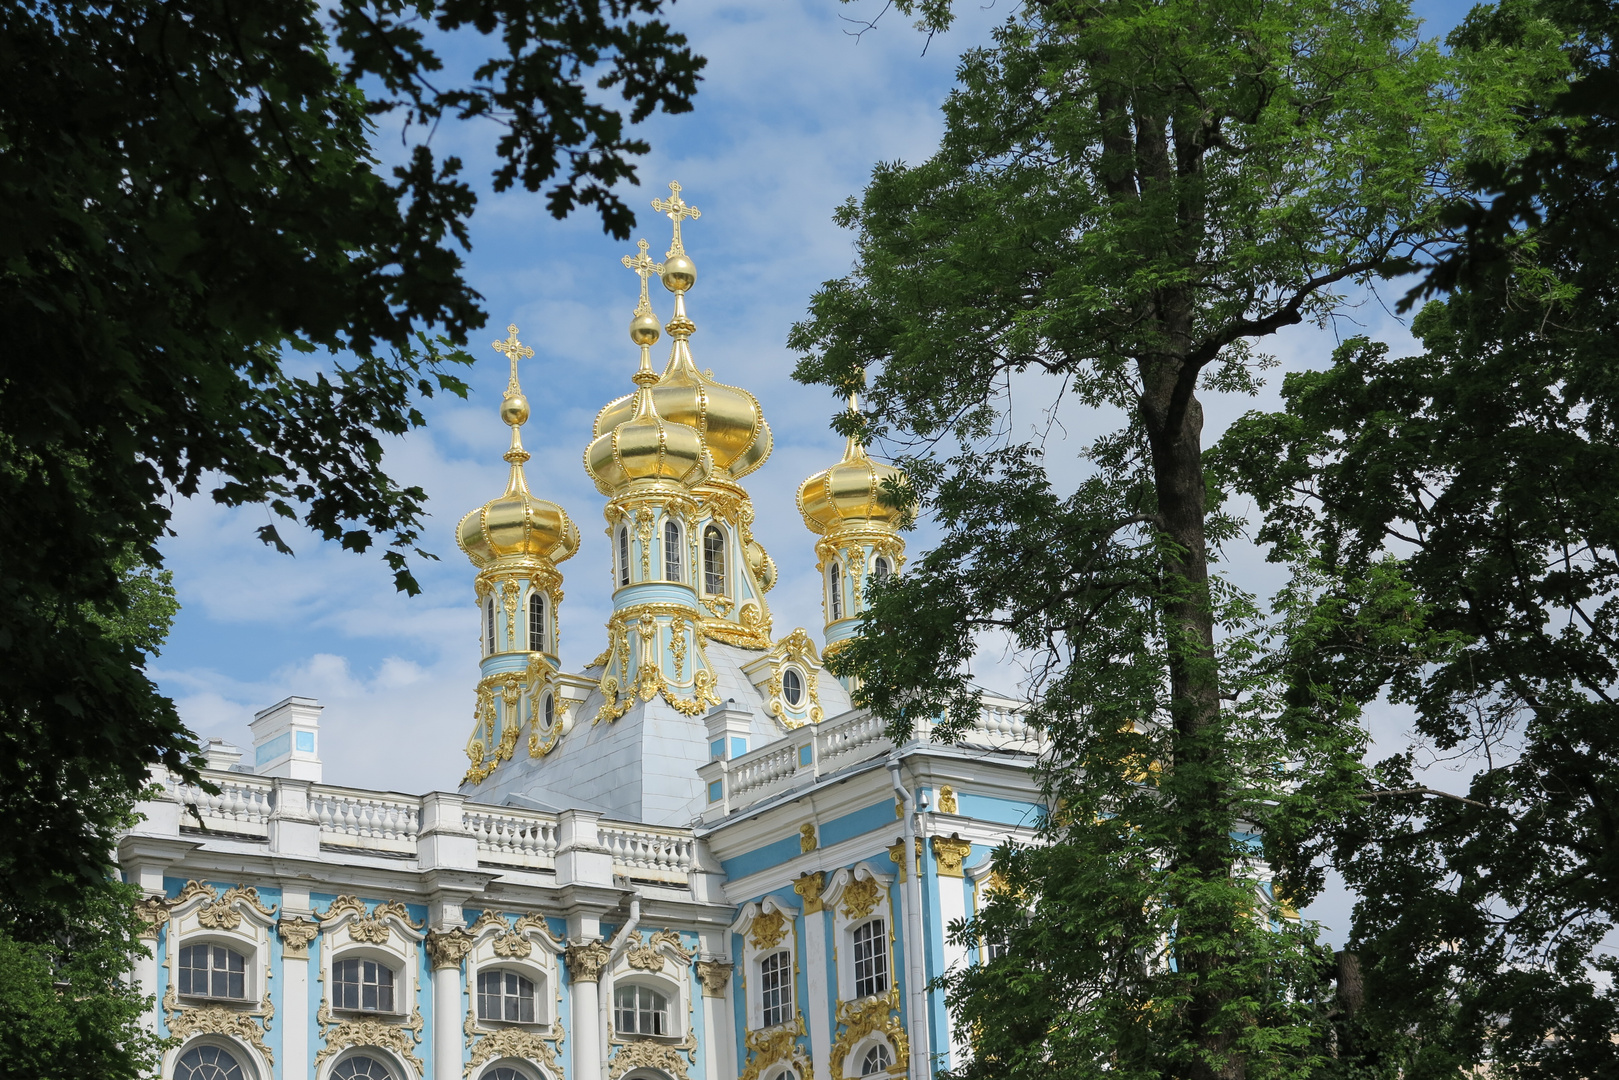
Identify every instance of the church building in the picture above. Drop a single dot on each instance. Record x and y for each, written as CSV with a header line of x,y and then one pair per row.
x,y
693,860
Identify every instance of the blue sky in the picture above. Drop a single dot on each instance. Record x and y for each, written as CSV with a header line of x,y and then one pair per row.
x,y
793,113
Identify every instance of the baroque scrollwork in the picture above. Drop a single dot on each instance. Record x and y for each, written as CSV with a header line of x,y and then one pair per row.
x,y
185,1021
224,914
447,948
339,1035
858,1019
585,962
809,886
859,898
647,954
714,974
950,852
515,1042
671,1058
777,1046
153,912
768,928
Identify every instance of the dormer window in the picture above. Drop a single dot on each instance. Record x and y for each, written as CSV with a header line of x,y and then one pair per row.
x,y
671,552
506,996
834,578
213,971
362,986
792,686
713,561
870,959
536,621
640,1010
623,557
776,988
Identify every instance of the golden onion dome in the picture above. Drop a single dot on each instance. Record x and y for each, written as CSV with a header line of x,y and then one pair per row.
x,y
645,447
517,524
849,493
727,417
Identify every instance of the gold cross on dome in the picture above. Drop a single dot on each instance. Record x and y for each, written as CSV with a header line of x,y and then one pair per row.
x,y
514,350
677,209
643,266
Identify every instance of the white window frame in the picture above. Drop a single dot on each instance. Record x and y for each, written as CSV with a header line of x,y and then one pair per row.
x,y
218,941
621,555
834,591
531,620
753,955
671,997
724,576
536,983
363,956
673,551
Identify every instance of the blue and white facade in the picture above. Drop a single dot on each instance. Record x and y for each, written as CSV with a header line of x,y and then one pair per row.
x,y
690,861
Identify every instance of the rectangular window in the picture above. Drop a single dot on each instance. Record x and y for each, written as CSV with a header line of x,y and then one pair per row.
x,y
870,959
776,988
363,985
212,971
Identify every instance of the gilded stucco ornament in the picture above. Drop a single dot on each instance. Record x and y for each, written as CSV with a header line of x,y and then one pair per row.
x,y
224,914
339,1035
187,1021
447,948
947,800
648,954
671,1058
153,912
859,898
714,975
949,852
775,1047
867,1016
768,929
510,1042
809,887
296,934
896,855
806,838
585,961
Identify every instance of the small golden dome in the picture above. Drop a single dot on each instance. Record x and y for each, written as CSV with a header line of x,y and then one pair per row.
x,y
516,524
849,493
646,447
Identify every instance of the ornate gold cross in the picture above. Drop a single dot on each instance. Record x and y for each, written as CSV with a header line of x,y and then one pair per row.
x,y
677,209
643,266
514,351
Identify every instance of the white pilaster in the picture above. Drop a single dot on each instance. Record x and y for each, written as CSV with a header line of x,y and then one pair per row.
x,y
952,908
294,1016
820,1020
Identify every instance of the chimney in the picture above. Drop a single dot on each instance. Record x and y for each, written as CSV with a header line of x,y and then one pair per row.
x,y
221,755
286,739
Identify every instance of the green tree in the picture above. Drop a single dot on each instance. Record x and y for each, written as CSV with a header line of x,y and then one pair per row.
x,y
1479,471
1129,195
189,196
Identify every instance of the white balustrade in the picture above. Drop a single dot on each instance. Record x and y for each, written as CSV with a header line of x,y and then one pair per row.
x,y
368,820
513,837
649,854
241,807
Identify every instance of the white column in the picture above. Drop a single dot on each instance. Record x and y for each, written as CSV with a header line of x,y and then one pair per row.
x,y
145,974
294,1016
585,963
446,949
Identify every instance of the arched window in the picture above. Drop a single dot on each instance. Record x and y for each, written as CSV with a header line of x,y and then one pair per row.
x,y
207,1063
360,1067
776,988
834,579
536,621
713,561
489,626
640,1010
880,568
877,1060
623,557
505,1072
792,686
671,552
213,971
362,985
870,959
505,995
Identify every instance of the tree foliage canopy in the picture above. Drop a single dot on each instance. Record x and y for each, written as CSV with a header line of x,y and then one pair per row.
x,y
1479,472
188,196
1128,196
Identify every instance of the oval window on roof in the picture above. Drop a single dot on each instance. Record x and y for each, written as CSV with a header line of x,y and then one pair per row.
x,y
792,686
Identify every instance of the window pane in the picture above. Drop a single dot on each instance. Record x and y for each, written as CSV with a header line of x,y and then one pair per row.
x,y
714,561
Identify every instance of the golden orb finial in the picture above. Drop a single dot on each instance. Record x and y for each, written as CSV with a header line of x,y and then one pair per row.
x,y
679,273
514,406
643,324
